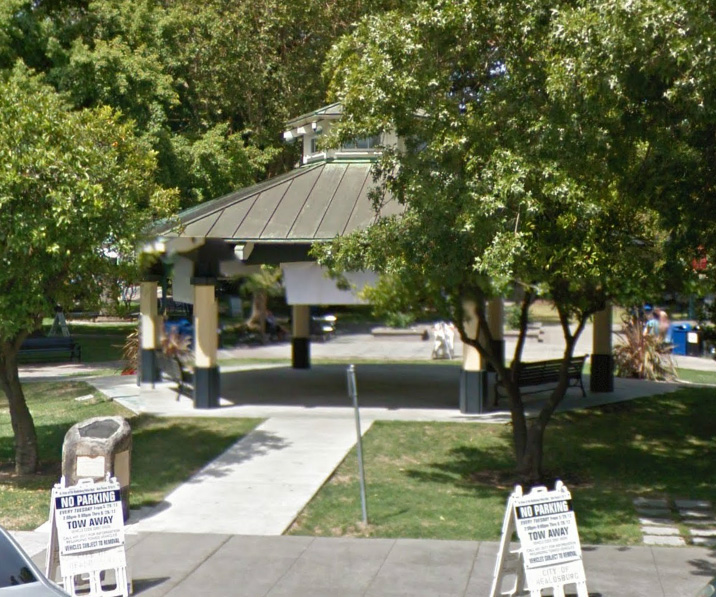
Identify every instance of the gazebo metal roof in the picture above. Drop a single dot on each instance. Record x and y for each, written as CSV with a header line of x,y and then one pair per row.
x,y
312,203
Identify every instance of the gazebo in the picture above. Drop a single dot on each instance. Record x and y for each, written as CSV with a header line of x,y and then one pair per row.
x,y
276,222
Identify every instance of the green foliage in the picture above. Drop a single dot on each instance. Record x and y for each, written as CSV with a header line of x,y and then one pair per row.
x,y
267,280
398,319
502,180
216,163
393,303
74,186
549,145
209,85
512,317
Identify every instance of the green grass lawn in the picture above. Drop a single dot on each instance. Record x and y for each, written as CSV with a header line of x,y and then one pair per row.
x,y
697,377
165,451
101,341
452,480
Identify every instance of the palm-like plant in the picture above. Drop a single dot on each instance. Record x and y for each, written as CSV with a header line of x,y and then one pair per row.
x,y
642,356
130,353
176,345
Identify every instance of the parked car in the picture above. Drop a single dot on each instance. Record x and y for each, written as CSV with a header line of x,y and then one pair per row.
x,y
323,327
19,576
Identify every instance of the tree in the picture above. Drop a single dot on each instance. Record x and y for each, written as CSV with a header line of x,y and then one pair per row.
x,y
209,85
261,286
511,172
74,185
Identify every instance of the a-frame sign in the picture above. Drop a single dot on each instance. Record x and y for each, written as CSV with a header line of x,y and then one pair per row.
x,y
87,538
549,555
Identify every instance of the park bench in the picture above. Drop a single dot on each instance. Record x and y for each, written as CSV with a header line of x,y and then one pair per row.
x,y
51,346
174,369
540,373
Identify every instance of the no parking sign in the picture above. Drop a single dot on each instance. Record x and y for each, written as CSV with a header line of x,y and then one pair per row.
x,y
550,554
87,536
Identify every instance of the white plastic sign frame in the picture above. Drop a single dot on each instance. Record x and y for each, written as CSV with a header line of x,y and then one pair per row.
x,y
550,554
87,536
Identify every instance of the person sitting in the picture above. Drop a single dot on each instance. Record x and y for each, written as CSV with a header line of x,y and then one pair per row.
x,y
273,328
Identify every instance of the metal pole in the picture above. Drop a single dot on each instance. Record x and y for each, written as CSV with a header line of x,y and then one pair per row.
x,y
353,393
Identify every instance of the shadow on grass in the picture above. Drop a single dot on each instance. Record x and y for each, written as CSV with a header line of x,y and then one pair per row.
x,y
478,470
661,446
166,452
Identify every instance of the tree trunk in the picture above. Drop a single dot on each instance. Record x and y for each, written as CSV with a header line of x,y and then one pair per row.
x,y
23,426
529,463
259,309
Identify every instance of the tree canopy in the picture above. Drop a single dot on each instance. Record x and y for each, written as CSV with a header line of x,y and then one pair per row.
x,y
548,145
209,85
75,187
114,113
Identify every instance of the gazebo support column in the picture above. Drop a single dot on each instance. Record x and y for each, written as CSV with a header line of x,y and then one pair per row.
x,y
301,336
149,331
473,376
496,323
206,340
601,378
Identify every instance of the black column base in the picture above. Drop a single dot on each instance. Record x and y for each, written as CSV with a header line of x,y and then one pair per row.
x,y
301,353
148,368
206,387
473,392
601,378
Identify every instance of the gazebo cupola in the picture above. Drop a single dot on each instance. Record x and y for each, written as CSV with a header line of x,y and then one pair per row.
x,y
309,128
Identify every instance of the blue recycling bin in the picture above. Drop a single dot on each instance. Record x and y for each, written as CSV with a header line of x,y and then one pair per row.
x,y
679,337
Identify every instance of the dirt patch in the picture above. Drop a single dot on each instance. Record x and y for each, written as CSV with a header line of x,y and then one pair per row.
x,y
499,479
45,469
506,480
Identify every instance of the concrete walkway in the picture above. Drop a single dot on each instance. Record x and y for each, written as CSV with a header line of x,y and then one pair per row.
x,y
180,565
260,484
188,565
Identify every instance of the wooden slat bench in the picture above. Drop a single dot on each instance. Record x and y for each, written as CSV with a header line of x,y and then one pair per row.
x,y
51,346
540,373
172,368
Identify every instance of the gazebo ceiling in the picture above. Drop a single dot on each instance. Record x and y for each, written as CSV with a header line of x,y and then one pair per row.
x,y
312,203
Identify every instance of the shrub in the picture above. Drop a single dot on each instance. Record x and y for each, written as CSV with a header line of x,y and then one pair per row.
x,y
512,316
397,319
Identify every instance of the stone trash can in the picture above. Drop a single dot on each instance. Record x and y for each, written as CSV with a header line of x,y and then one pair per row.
x,y
95,447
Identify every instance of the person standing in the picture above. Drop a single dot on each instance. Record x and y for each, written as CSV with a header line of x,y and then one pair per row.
x,y
664,327
652,325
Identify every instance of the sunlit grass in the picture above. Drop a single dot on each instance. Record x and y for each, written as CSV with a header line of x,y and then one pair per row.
x,y
165,451
452,480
